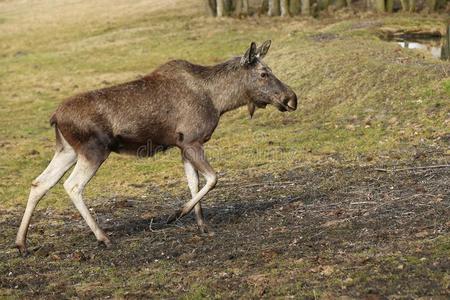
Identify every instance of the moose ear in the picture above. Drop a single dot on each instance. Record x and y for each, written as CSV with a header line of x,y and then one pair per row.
x,y
251,109
262,50
250,55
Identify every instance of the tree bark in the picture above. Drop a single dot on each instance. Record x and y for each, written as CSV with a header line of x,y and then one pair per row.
x,y
220,8
412,5
228,7
245,7
284,7
405,5
431,4
340,3
306,7
238,7
389,6
274,8
445,51
380,6
294,7
264,8
210,6
323,4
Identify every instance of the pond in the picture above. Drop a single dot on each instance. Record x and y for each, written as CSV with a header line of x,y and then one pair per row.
x,y
437,46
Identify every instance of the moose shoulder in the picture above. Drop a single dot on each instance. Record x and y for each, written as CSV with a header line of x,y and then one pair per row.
x,y
178,104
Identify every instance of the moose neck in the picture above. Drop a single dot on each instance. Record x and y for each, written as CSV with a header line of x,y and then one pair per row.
x,y
226,87
228,96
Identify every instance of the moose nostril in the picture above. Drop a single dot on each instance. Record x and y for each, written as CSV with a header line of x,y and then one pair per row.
x,y
292,103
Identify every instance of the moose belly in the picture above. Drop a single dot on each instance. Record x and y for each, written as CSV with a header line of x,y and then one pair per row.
x,y
140,147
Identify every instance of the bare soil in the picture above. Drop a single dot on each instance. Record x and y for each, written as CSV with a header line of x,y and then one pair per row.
x,y
307,233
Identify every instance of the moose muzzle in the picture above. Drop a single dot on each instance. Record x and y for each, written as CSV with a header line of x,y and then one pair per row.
x,y
289,102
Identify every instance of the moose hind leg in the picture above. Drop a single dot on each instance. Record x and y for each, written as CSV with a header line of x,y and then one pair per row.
x,y
61,162
84,170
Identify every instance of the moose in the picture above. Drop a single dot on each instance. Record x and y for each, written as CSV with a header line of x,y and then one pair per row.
x,y
178,104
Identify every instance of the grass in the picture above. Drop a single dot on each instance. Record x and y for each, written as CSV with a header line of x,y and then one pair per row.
x,y
349,106
273,239
363,102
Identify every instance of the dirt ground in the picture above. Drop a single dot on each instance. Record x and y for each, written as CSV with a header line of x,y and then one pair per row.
x,y
311,232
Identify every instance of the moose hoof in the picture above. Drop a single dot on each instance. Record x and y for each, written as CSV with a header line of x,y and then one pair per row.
x,y
22,249
175,216
106,242
205,230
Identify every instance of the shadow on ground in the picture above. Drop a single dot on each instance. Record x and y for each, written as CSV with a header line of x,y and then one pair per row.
x,y
309,232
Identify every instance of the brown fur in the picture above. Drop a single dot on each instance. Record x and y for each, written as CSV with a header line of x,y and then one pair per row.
x,y
178,104
175,105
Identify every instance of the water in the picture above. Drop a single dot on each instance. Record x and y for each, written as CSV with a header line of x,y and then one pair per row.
x,y
434,47
438,48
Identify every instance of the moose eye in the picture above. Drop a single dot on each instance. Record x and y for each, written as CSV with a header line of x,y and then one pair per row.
x,y
263,75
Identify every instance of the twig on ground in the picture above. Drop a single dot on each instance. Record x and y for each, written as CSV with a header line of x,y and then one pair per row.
x,y
412,168
150,226
363,202
260,184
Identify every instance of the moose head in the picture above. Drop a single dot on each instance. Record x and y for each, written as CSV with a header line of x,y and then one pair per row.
x,y
262,86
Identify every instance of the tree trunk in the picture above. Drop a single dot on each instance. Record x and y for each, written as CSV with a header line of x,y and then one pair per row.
x,y
405,5
379,5
294,7
306,7
210,6
314,10
441,4
340,3
220,8
431,4
389,6
284,7
412,5
245,7
323,4
228,7
274,8
445,51
264,8
238,7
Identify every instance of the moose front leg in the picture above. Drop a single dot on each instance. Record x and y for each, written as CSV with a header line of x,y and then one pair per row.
x,y
195,155
192,178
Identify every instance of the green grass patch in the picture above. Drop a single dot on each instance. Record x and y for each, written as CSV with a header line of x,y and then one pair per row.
x,y
360,98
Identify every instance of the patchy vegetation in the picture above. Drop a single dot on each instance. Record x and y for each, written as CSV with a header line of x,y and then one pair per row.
x,y
308,232
293,213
